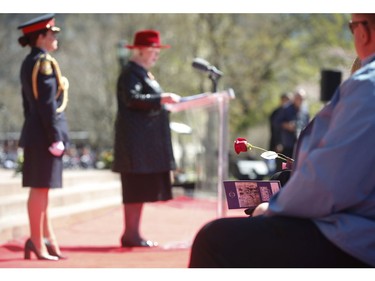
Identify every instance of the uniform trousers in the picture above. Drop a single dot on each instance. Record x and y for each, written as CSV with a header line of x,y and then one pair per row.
x,y
266,242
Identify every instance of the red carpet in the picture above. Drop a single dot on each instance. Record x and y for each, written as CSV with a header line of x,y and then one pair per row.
x,y
92,240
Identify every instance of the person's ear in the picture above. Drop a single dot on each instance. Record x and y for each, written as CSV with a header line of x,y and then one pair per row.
x,y
365,34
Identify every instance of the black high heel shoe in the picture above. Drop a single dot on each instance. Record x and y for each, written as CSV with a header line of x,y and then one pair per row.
x,y
139,243
30,247
52,250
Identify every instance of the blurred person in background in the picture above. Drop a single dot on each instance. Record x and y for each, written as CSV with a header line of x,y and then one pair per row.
x,y
291,120
275,128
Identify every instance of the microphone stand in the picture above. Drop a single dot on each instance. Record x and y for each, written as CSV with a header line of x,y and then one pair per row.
x,y
222,172
222,166
214,77
214,73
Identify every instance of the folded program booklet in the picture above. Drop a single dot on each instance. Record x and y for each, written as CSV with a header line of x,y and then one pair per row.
x,y
249,193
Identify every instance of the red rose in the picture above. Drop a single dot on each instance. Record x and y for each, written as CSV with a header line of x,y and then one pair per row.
x,y
240,145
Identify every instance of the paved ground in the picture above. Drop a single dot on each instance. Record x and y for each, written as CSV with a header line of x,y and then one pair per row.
x,y
91,239
91,242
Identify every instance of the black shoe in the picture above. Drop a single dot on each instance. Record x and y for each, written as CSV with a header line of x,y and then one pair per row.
x,y
141,243
30,247
52,251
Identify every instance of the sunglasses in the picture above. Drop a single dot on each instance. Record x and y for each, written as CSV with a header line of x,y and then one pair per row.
x,y
353,24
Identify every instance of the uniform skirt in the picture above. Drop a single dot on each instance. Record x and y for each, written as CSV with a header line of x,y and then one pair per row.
x,y
41,169
140,188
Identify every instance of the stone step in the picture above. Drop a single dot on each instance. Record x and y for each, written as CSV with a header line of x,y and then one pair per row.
x,y
66,197
10,183
84,191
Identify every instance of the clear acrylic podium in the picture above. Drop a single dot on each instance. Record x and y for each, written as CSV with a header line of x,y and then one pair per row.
x,y
220,101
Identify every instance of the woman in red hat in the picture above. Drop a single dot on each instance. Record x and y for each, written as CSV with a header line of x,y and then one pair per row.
x,y
45,131
143,152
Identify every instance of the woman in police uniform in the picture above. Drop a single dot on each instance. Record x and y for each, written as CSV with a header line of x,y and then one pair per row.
x,y
45,131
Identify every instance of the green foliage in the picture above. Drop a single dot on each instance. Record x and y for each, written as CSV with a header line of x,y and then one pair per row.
x,y
105,160
19,164
261,55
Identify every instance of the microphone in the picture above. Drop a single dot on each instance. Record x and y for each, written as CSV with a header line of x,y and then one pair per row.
x,y
205,66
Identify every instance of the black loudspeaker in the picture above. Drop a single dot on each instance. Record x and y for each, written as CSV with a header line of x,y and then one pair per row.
x,y
330,80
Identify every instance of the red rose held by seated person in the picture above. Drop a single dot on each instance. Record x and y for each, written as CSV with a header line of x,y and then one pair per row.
x,y
240,145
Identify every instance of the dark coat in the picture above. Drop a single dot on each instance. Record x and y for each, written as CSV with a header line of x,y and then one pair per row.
x,y
142,133
290,113
42,125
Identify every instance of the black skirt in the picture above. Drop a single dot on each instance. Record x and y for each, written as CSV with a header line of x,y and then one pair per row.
x,y
140,188
41,169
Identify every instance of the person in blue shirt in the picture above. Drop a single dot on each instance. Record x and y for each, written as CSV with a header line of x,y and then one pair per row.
x,y
324,216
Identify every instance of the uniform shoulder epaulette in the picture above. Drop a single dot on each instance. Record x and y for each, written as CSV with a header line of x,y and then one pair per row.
x,y
45,66
45,57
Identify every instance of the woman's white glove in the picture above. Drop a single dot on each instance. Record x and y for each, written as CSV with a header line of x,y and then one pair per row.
x,y
57,148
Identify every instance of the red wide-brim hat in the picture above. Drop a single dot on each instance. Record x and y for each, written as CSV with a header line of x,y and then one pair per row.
x,y
147,38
